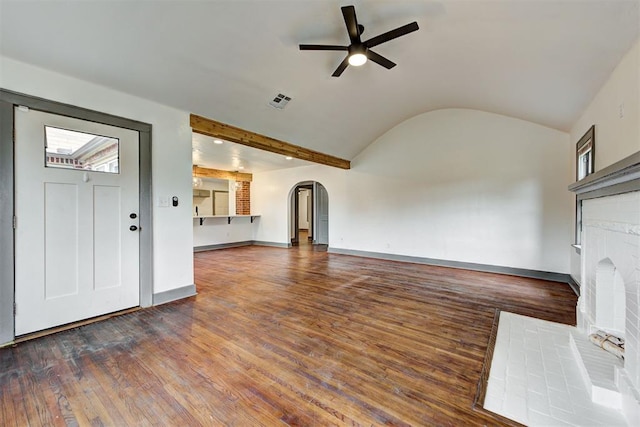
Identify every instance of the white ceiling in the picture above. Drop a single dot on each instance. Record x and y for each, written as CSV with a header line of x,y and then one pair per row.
x,y
235,157
538,60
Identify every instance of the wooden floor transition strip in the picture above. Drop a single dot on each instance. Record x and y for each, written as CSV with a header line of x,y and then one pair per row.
x,y
478,402
486,365
50,331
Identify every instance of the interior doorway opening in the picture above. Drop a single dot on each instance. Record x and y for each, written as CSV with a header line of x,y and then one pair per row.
x,y
309,215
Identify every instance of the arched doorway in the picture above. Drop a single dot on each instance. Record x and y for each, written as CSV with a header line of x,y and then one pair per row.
x,y
309,213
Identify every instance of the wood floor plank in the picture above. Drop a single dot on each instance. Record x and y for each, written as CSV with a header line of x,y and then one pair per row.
x,y
39,402
281,337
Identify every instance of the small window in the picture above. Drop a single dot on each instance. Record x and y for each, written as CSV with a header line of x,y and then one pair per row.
x,y
585,152
70,149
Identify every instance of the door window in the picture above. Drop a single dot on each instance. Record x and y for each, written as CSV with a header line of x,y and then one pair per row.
x,y
70,149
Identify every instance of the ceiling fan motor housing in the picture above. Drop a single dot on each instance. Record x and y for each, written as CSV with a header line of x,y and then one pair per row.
x,y
357,48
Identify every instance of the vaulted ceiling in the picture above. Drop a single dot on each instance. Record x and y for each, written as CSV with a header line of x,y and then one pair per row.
x,y
537,60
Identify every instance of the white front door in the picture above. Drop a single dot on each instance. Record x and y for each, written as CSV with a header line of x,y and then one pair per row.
x,y
76,198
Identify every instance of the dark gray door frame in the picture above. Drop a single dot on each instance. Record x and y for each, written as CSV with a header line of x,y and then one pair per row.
x,y
319,190
8,100
295,240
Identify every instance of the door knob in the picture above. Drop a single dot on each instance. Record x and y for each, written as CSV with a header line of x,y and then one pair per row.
x,y
133,228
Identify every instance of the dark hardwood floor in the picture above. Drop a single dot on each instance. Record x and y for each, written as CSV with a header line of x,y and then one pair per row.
x,y
280,337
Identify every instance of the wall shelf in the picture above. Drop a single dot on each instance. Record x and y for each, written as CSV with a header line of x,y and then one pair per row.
x,y
229,217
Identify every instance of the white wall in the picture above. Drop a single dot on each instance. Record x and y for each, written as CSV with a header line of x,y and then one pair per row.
x,y
453,184
171,158
303,211
616,137
216,231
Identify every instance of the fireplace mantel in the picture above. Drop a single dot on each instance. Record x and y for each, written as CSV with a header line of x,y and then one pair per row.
x,y
608,211
620,177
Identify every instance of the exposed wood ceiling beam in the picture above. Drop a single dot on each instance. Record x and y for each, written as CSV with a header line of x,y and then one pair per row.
x,y
230,133
220,174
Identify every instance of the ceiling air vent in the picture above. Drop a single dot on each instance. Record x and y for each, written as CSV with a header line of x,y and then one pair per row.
x,y
280,101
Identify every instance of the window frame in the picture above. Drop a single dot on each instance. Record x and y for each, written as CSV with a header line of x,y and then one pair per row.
x,y
585,145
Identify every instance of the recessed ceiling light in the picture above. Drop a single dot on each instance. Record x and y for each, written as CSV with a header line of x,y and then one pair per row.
x,y
289,158
217,141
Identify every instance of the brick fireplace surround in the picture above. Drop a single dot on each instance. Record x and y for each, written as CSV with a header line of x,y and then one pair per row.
x,y
610,268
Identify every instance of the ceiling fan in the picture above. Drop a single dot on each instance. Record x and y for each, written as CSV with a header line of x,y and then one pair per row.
x,y
359,51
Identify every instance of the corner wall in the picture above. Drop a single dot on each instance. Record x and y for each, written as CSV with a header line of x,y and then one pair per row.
x,y
454,184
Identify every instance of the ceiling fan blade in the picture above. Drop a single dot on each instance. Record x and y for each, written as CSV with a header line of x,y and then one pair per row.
x,y
349,13
341,67
390,35
379,59
322,47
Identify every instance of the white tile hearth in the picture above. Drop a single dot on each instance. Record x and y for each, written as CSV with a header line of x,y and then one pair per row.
x,y
536,380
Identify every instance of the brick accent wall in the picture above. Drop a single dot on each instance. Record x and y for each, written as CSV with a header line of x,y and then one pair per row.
x,y
243,198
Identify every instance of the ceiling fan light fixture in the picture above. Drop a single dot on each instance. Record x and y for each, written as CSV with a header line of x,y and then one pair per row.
x,y
357,55
357,59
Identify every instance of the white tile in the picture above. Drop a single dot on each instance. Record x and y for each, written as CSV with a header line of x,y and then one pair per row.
x,y
557,383
498,367
493,401
563,414
539,384
580,397
517,356
502,344
515,408
534,360
537,419
605,416
517,370
573,378
496,384
559,400
538,402
516,387
531,347
552,367
580,419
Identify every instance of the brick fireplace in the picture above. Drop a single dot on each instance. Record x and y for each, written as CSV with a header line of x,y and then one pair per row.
x,y
610,268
